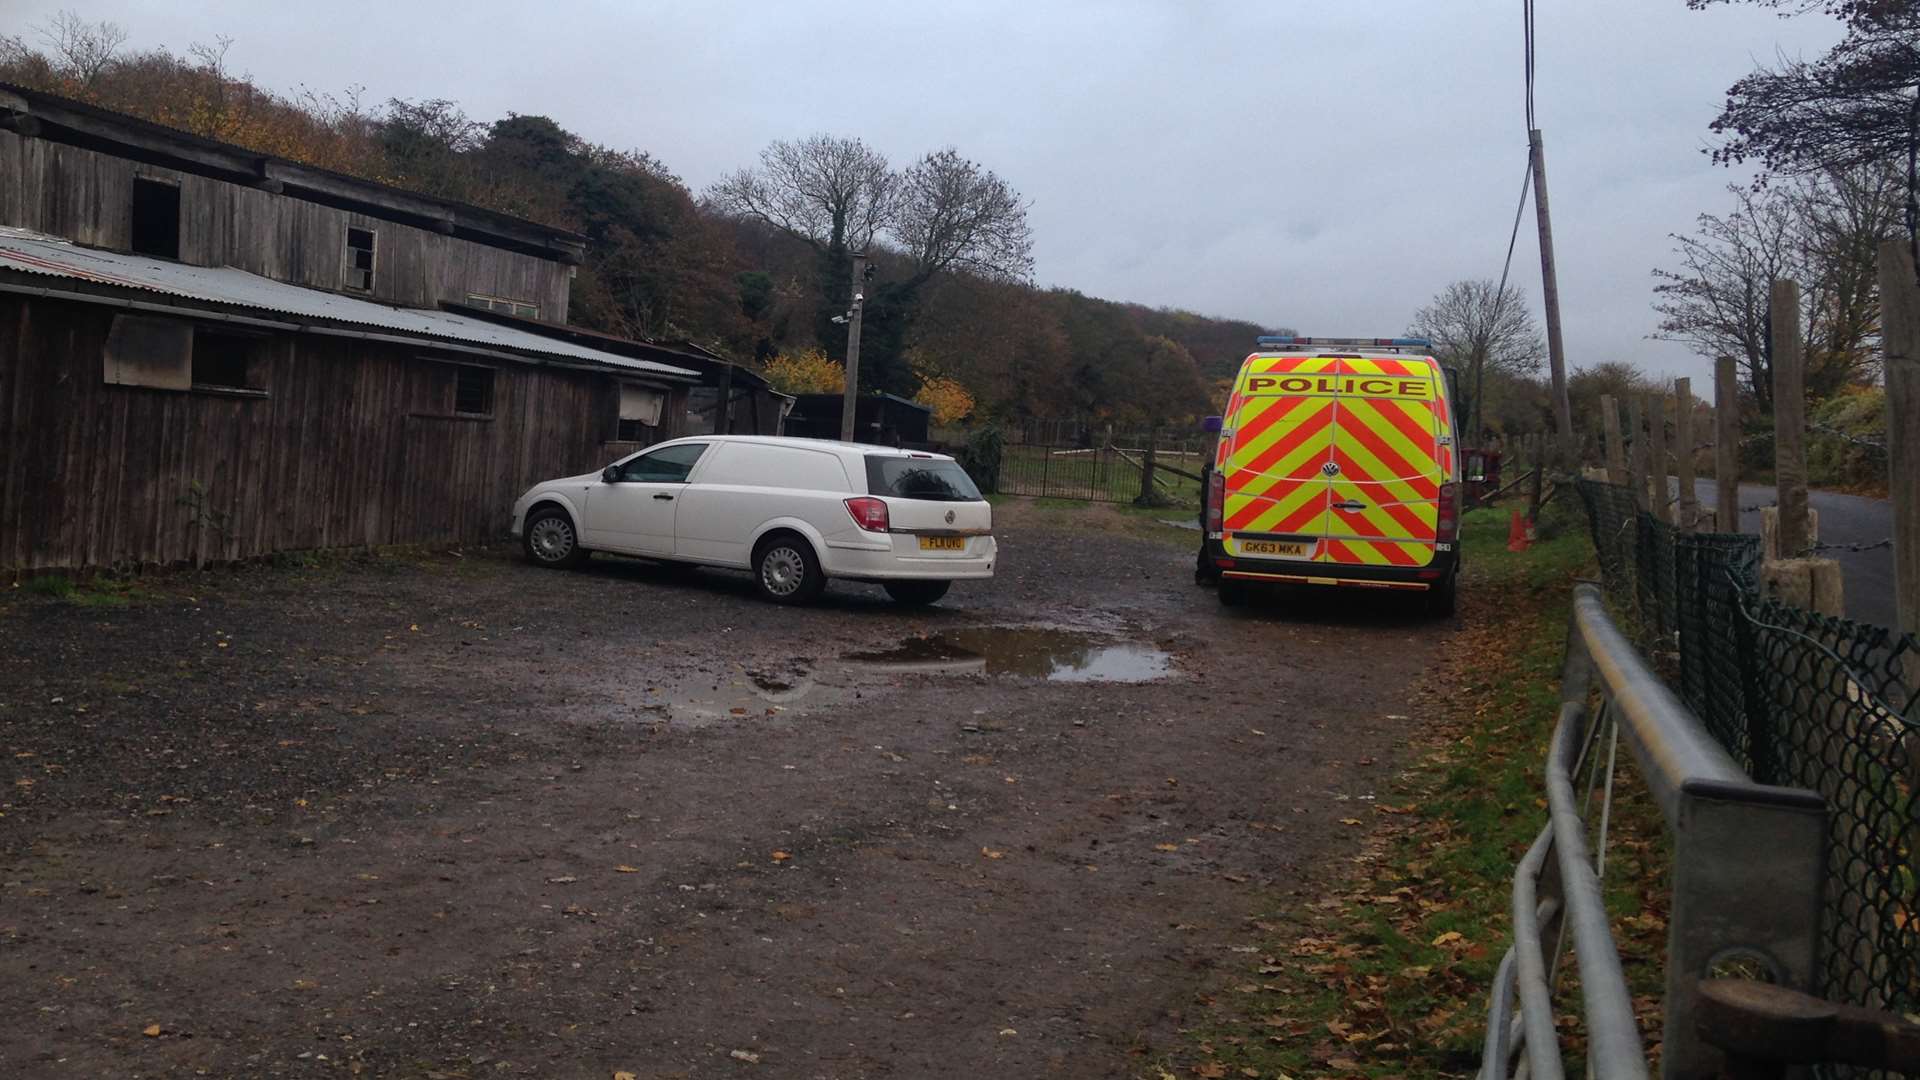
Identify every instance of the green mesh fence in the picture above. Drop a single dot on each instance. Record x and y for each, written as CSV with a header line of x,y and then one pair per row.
x,y
1798,699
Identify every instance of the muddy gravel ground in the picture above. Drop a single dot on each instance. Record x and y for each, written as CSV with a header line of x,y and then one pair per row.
x,y
454,816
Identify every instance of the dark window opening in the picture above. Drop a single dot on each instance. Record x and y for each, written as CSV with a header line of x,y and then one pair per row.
x,y
156,218
633,431
360,259
473,391
223,361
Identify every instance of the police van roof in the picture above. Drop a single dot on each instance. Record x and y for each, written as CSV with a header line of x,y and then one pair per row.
x,y
1290,343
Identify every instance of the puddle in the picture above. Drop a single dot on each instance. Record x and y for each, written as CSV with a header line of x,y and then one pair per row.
x,y
1055,655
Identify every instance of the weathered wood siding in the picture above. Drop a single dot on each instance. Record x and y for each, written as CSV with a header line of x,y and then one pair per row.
x,y
87,196
344,451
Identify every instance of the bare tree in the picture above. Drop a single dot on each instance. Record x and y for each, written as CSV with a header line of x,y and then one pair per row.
x,y
1476,326
952,214
834,193
1716,302
1822,231
81,50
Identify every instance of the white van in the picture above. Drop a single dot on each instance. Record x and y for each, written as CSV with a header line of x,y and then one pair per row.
x,y
793,511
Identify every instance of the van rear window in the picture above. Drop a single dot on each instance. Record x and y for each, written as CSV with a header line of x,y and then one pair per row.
x,y
932,479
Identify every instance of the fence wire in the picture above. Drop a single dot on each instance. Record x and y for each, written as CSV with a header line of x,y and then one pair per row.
x,y
1798,699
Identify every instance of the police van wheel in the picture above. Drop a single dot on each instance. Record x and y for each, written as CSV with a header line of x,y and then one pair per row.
x,y
1232,593
1443,599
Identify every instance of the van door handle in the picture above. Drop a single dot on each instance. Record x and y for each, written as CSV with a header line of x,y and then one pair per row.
x,y
663,495
1349,505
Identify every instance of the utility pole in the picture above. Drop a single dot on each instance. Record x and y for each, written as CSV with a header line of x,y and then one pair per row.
x,y
1789,420
1550,293
849,404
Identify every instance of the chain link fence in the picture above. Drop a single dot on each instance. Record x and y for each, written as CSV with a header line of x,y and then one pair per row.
x,y
1798,699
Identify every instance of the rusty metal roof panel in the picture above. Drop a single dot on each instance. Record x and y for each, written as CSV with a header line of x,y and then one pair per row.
x,y
37,253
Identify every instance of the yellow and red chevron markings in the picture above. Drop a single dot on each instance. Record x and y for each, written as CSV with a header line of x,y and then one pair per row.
x,y
1375,421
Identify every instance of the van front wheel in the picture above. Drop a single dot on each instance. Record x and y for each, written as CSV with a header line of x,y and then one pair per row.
x,y
916,593
786,571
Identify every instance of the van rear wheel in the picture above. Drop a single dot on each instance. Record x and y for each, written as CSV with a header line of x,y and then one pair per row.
x,y
916,593
1232,593
1444,598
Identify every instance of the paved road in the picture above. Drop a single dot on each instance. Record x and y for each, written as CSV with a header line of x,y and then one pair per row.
x,y
1844,519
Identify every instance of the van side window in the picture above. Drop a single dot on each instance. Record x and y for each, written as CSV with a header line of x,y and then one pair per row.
x,y
668,465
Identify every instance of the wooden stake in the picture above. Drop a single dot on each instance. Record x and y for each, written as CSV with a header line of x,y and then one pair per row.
x,y
1726,445
1657,498
1636,453
1789,419
1683,453
1900,338
1610,430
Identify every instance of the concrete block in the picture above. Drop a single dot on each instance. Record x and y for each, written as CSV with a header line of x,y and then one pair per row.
x,y
1812,584
1770,532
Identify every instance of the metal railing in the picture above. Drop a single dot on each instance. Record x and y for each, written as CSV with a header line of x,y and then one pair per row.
x,y
1734,841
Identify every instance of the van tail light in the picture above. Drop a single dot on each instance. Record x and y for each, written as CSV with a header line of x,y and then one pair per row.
x,y
1216,499
1447,524
869,513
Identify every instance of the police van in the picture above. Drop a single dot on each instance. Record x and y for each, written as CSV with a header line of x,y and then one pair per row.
x,y
1336,467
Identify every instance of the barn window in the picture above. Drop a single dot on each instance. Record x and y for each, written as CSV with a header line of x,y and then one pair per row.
x,y
156,217
225,361
472,391
639,412
504,305
360,259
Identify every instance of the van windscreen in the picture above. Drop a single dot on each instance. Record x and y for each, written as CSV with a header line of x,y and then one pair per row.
x,y
932,479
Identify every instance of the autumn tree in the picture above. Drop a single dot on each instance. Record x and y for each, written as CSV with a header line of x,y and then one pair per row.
x,y
1857,105
1478,328
809,371
81,51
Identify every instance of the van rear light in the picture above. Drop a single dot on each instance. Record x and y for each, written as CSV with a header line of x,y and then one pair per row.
x,y
869,513
1447,525
1216,499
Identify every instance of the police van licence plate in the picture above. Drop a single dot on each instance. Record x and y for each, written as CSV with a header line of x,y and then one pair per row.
x,y
1286,549
943,543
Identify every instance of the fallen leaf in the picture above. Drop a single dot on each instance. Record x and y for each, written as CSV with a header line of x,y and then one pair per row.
x,y
625,1076
747,1056
992,854
1008,1031
781,856
1448,937
1166,847
1349,821
625,869
566,879
151,1031
1212,1070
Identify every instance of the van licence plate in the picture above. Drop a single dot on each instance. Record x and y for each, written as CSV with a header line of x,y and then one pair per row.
x,y
943,543
1286,549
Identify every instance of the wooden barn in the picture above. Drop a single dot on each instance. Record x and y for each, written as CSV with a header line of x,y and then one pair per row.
x,y
209,354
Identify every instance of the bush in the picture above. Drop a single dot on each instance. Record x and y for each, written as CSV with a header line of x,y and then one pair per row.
x,y
1833,457
981,456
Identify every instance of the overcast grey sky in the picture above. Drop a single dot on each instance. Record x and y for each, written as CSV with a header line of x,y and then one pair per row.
x,y
1326,164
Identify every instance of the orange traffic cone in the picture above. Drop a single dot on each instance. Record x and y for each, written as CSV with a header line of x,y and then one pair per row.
x,y
1518,534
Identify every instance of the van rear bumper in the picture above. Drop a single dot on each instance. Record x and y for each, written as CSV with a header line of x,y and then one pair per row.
x,y
1296,572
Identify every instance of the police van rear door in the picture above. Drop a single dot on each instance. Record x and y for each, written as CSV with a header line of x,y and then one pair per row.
x,y
1276,463
1385,466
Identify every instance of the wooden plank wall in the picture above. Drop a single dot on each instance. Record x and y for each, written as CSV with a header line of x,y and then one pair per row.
x,y
87,196
344,451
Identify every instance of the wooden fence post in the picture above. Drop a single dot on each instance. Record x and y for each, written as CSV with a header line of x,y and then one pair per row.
x,y
1726,446
1789,419
1610,430
1636,453
1657,498
1683,453
1900,338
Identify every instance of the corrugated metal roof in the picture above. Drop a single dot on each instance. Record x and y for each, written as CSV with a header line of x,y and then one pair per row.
x,y
37,253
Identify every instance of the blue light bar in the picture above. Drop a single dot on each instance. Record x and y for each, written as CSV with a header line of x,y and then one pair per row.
x,y
1275,341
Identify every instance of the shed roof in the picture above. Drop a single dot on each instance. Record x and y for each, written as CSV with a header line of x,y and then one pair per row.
x,y
29,252
40,114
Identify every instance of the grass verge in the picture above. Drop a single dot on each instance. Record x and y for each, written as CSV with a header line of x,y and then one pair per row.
x,y
1385,971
